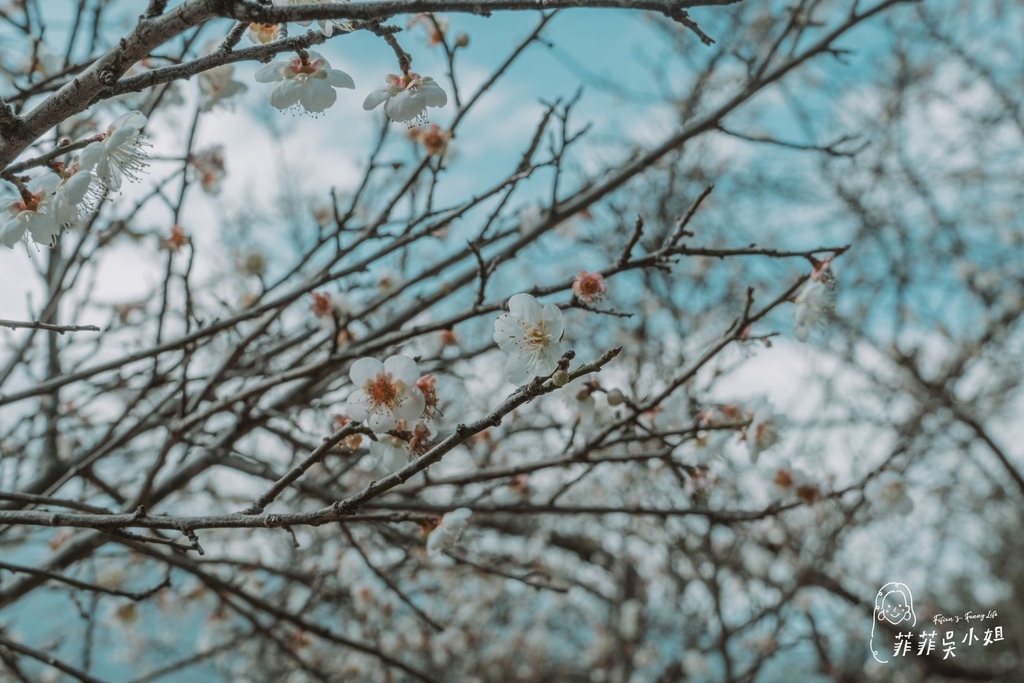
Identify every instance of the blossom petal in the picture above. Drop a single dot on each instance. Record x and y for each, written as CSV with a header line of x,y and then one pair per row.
x,y
547,358
365,370
268,73
358,405
43,229
374,99
119,137
402,369
287,94
403,106
11,232
508,332
133,120
381,419
394,457
90,155
317,95
433,94
46,183
411,406
517,369
339,79
526,308
552,317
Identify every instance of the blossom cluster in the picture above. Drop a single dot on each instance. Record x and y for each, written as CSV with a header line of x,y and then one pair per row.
x,y
49,202
398,405
307,82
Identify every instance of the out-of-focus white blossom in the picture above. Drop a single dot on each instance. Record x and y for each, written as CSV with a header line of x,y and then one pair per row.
x,y
814,299
120,154
448,531
765,429
390,453
788,483
811,303
406,98
207,167
217,87
305,83
888,494
531,335
387,392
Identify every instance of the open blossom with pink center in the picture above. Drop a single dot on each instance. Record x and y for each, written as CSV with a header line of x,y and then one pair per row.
x,y
46,205
32,212
589,287
406,98
531,335
445,534
305,83
387,392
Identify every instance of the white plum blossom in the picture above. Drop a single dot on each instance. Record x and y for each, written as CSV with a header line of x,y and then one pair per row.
x,y
531,335
389,453
305,82
208,169
811,303
787,481
765,429
448,531
73,197
47,205
32,212
888,494
387,392
407,97
327,26
120,153
815,298
217,86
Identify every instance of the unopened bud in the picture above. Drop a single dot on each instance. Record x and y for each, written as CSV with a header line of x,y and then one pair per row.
x,y
616,397
560,378
461,39
64,141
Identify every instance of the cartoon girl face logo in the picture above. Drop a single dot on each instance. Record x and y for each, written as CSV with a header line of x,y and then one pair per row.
x,y
894,604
